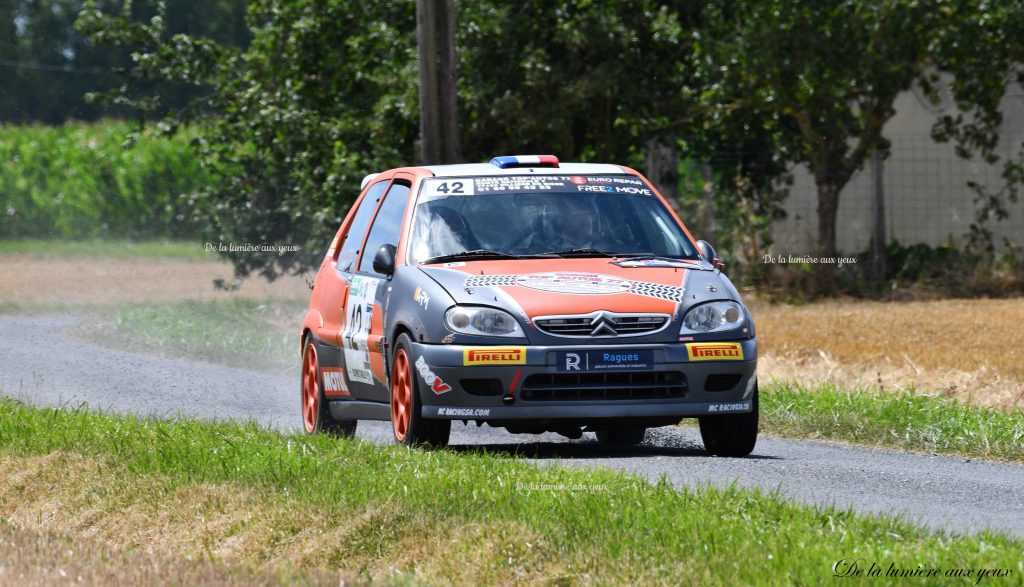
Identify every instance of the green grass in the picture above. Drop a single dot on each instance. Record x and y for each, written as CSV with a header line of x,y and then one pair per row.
x,y
628,531
240,332
116,249
904,420
79,180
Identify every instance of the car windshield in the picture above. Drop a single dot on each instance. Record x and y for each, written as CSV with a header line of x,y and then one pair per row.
x,y
522,216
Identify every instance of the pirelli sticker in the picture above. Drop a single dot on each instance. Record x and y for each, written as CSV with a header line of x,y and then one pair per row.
x,y
508,355
714,351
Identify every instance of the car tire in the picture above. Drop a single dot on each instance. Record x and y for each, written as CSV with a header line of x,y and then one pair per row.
x,y
408,425
730,435
631,436
316,415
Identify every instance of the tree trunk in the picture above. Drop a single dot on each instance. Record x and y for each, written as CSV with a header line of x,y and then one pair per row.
x,y
877,220
828,206
435,38
661,159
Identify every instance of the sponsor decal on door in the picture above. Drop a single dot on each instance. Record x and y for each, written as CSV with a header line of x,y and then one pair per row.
x,y
334,382
358,316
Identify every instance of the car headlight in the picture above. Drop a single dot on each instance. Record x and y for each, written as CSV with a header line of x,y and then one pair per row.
x,y
713,317
482,322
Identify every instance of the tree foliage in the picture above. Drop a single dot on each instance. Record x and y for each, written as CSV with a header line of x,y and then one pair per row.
x,y
826,72
49,67
983,50
326,92
322,94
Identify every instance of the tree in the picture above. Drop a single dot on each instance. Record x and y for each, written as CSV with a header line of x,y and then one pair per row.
x,y
827,72
584,80
327,93
982,50
292,123
615,81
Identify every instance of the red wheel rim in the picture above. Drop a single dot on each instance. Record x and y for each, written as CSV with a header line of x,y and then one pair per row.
x,y
401,395
310,388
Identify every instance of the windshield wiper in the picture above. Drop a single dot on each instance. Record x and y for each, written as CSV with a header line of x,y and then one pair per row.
x,y
475,254
645,256
584,252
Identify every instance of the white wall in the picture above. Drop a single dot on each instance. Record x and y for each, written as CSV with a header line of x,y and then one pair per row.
x,y
927,198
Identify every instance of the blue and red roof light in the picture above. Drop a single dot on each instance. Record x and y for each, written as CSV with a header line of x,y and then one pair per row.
x,y
510,161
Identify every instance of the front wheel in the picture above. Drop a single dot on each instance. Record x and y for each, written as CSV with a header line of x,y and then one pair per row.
x,y
730,435
316,416
407,422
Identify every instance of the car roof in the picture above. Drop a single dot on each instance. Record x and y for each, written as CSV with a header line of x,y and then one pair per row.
x,y
474,169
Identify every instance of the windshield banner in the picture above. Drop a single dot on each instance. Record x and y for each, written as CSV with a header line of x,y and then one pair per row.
x,y
524,184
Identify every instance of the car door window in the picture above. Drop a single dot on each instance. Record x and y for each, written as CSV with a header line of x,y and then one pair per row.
x,y
387,226
357,230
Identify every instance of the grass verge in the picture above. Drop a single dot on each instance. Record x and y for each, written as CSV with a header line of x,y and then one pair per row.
x,y
33,558
101,248
904,420
236,492
241,332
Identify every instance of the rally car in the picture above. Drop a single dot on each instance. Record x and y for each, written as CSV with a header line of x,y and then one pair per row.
x,y
527,294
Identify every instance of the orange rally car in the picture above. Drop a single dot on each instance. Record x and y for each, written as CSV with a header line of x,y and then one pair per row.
x,y
527,294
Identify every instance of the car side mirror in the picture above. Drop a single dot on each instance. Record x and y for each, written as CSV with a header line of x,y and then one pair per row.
x,y
384,260
709,254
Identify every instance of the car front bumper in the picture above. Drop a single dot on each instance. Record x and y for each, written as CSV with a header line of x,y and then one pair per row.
x,y
536,388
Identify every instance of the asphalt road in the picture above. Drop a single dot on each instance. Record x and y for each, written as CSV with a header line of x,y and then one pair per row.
x,y
41,365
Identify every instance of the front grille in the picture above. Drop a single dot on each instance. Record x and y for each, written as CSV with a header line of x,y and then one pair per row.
x,y
481,386
722,382
602,324
621,385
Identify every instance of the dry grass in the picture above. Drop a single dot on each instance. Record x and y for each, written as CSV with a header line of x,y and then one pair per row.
x,y
69,519
51,280
110,527
968,349
32,558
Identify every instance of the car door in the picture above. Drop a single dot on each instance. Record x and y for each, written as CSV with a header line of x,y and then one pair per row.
x,y
363,335
332,292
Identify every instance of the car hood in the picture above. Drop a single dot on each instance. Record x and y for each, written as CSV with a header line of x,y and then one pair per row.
x,y
548,287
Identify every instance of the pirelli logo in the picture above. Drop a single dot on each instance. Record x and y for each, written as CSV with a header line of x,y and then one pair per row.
x,y
508,355
714,351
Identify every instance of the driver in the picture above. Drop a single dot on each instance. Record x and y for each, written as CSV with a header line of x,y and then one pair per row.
x,y
571,225
449,232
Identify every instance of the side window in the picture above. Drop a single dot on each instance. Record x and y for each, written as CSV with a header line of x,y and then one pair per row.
x,y
387,226
357,230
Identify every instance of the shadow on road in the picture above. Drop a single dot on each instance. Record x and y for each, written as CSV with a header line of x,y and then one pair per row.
x,y
590,450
